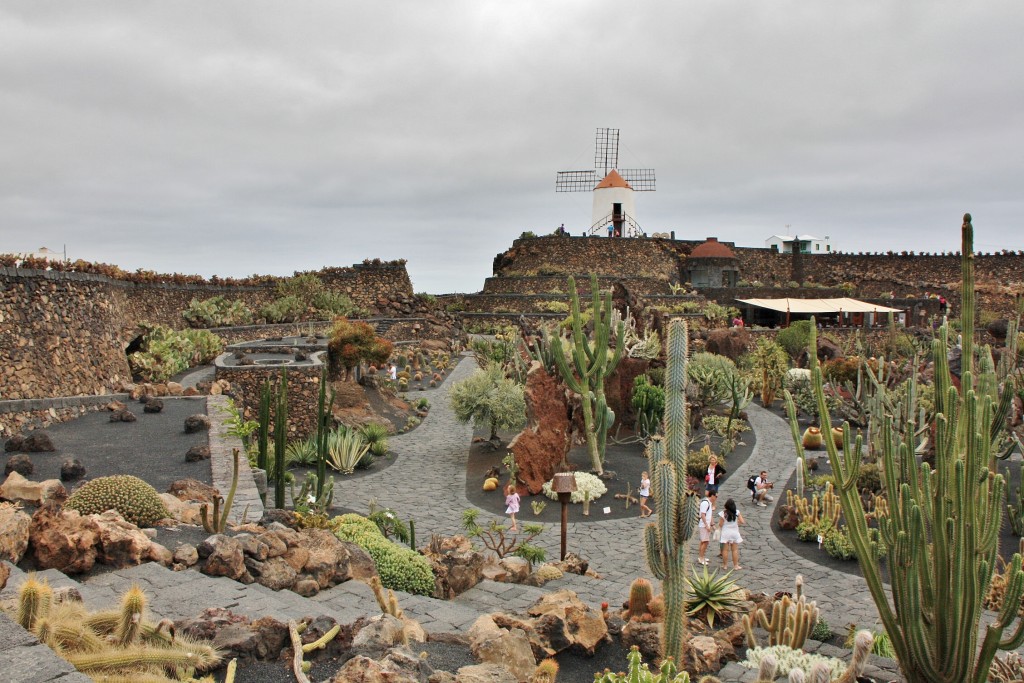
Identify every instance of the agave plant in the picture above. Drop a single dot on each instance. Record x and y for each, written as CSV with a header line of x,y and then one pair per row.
x,y
376,435
711,595
301,452
345,447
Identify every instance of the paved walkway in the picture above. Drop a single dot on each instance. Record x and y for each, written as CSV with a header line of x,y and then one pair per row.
x,y
428,483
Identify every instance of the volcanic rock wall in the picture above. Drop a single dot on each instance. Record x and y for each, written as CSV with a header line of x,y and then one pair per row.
x,y
64,334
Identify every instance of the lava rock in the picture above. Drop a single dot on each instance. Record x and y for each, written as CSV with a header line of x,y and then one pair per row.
x,y
196,423
15,443
153,406
72,469
197,453
38,442
123,416
21,464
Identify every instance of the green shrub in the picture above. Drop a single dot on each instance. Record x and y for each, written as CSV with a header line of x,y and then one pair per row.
x,y
217,311
842,370
807,532
328,303
399,568
795,337
554,307
134,499
376,435
287,309
869,477
697,462
837,543
166,352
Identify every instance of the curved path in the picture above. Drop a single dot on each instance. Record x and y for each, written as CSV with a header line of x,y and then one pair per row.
x,y
428,484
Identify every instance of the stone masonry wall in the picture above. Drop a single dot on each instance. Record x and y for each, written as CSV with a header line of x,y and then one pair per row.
x,y
303,393
370,285
626,257
59,335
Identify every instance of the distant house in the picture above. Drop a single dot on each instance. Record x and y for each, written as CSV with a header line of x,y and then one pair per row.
x,y
43,253
806,244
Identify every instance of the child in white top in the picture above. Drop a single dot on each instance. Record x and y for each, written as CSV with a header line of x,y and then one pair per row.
x,y
730,525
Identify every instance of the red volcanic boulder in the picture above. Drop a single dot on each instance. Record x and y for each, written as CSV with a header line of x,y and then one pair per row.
x,y
730,342
618,389
545,441
63,539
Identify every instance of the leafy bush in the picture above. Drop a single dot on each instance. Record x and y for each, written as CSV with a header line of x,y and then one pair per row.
x,y
489,399
842,370
166,352
217,311
352,342
400,569
870,477
555,307
649,405
286,309
333,303
795,338
837,543
807,532
134,499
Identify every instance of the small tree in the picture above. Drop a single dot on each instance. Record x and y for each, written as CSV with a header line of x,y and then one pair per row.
x,y
353,342
487,397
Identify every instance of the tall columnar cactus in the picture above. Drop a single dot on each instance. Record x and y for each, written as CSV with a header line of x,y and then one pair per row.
x,y
263,438
323,428
591,364
941,528
280,440
666,540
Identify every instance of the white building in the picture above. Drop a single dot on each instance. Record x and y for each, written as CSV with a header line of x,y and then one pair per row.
x,y
806,244
613,203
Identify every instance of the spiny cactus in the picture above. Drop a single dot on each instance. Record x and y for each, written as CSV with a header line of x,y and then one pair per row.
x,y
638,672
861,649
941,529
218,522
767,669
134,499
667,539
115,645
791,621
34,599
546,671
280,439
591,364
640,594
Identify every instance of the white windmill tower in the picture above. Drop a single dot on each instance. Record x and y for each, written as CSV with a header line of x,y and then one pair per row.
x,y
614,206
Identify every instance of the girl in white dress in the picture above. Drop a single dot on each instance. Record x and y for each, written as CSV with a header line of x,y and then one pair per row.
x,y
645,492
730,526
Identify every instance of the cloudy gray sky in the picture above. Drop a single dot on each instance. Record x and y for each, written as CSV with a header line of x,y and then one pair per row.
x,y
268,137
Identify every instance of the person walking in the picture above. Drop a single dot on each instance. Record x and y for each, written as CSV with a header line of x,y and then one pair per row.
x,y
392,372
729,523
645,493
512,504
706,521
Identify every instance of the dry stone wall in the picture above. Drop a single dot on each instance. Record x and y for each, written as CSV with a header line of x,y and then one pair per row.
x,y
303,393
64,333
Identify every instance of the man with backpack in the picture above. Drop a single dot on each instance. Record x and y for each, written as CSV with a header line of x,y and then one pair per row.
x,y
759,487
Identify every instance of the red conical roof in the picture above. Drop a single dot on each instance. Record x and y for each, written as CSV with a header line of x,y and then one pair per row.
x,y
712,248
613,179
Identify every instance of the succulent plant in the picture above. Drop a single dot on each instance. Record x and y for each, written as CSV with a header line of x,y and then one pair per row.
x,y
134,499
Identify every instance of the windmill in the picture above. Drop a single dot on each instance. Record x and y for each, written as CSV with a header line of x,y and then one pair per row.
x,y
613,190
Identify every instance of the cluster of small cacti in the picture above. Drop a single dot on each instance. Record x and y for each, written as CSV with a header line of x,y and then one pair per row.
x,y
112,645
804,667
791,621
134,499
638,672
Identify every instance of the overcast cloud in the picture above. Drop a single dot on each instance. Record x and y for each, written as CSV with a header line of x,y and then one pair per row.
x,y
233,138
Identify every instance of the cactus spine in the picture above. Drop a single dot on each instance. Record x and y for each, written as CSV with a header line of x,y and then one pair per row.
x,y
666,540
942,526
591,364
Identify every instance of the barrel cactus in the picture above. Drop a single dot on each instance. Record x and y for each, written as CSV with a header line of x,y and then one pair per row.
x,y
134,499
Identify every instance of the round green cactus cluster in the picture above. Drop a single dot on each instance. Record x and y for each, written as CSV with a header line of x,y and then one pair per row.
x,y
401,569
137,501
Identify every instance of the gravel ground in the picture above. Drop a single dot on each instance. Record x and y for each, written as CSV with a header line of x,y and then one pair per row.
x,y
151,448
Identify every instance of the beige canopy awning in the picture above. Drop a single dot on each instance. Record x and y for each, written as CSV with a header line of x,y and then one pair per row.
x,y
841,305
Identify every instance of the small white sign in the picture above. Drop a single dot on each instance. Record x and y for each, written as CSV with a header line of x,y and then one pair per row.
x,y
607,511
